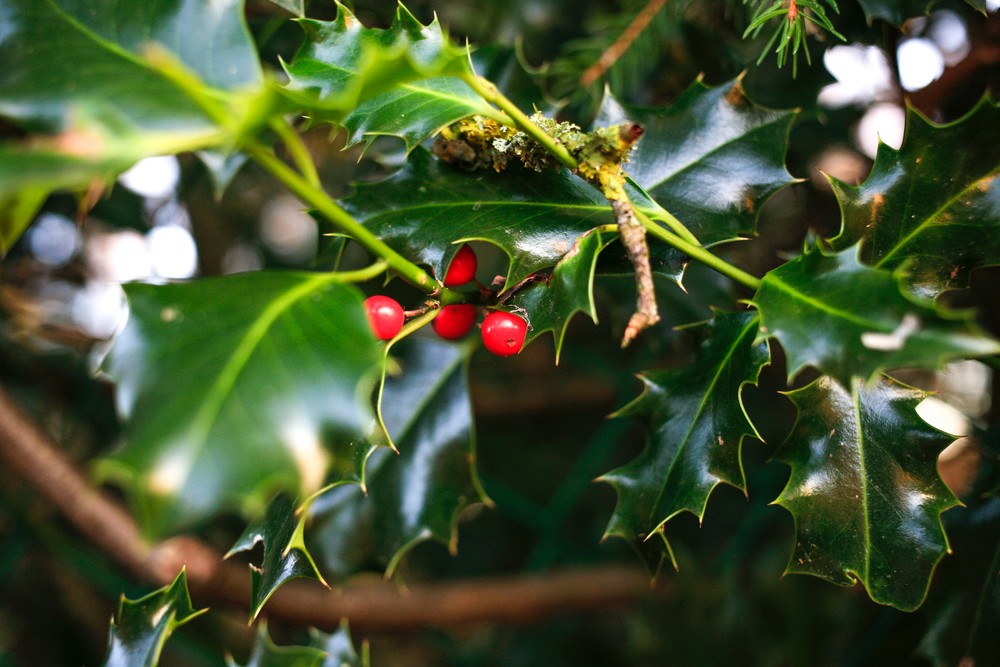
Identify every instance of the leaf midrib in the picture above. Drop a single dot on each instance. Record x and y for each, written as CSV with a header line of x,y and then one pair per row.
x,y
730,353
856,404
206,416
949,203
824,307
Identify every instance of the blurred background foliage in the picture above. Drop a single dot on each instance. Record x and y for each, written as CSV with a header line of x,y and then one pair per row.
x,y
541,429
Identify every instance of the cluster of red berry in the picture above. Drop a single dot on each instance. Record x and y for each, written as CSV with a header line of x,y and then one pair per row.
x,y
503,333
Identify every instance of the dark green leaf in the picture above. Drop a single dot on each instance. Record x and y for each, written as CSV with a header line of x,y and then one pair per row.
x,y
414,111
847,320
339,648
395,81
144,625
296,7
286,557
864,489
695,426
895,11
428,206
416,494
232,387
711,158
550,305
266,653
933,206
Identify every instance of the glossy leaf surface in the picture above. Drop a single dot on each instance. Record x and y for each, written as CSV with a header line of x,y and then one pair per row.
x,y
847,320
864,489
695,425
414,111
712,158
144,625
395,81
417,494
428,206
933,206
550,305
232,387
266,653
286,557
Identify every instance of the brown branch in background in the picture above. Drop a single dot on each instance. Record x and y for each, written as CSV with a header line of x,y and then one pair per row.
x,y
29,452
622,44
633,236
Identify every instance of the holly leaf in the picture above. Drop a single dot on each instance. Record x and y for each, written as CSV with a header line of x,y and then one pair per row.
x,y
695,425
848,320
231,387
144,625
339,648
931,206
551,304
296,7
417,494
281,532
712,157
895,11
864,489
427,208
94,78
401,81
266,653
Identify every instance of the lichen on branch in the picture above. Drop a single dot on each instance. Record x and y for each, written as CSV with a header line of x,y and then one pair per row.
x,y
480,143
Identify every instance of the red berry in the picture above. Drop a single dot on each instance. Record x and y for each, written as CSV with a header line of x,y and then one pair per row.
x,y
454,321
462,268
385,315
503,333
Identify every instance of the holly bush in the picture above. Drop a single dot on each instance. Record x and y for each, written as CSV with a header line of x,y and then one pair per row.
x,y
763,314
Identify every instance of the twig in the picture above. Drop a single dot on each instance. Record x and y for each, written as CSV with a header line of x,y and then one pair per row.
x,y
31,453
633,236
622,44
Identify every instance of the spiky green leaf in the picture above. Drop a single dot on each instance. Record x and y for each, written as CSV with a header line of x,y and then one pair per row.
x,y
550,304
144,625
933,205
864,488
712,157
400,81
846,319
695,426
417,494
231,387
281,533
